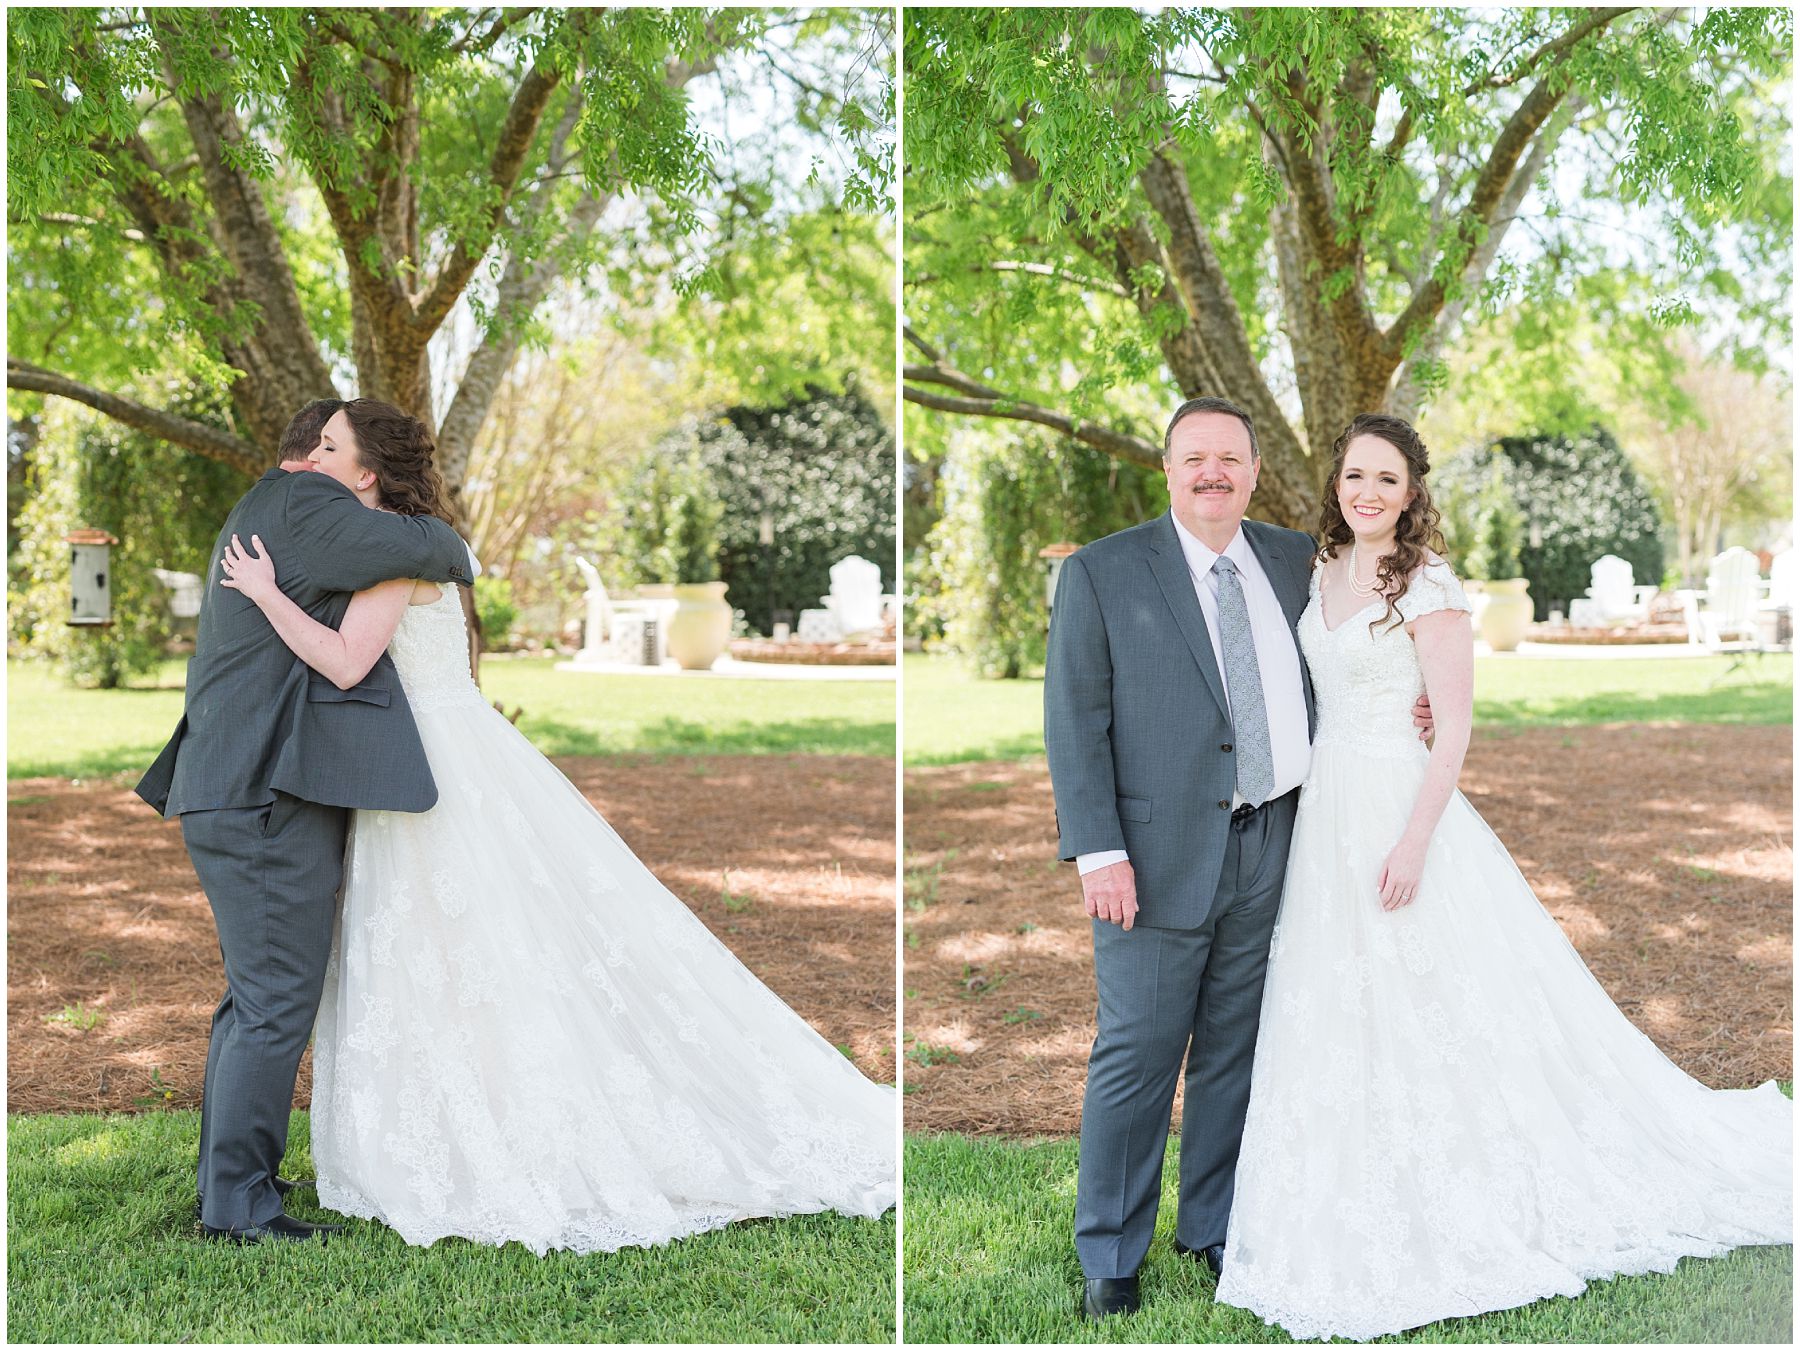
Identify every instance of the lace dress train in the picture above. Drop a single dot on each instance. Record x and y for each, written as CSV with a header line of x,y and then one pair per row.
x,y
1448,1115
524,1036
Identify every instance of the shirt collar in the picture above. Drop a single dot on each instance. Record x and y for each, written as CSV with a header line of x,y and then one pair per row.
x,y
1201,559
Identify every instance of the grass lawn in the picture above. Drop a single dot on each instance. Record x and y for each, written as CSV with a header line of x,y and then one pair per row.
x,y
990,1257
953,717
55,729
102,1248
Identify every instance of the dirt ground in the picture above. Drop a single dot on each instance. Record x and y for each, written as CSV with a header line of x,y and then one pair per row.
x,y
789,860
1666,854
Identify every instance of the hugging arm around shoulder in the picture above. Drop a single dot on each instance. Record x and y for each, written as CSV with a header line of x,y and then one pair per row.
x,y
1078,718
346,654
341,545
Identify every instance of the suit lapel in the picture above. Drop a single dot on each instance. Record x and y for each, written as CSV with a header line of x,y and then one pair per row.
x,y
1169,565
1291,588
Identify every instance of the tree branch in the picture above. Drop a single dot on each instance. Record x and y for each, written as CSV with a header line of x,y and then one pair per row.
x,y
172,427
1409,394
89,223
931,353
1554,50
1120,444
1478,213
245,233
505,20
510,149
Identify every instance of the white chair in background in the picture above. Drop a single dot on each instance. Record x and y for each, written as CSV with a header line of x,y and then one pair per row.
x,y
1615,593
1723,617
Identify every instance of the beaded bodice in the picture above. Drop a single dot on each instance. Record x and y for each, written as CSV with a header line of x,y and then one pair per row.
x,y
431,653
1364,683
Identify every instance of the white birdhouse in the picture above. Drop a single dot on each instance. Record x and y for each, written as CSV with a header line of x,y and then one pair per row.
x,y
90,577
1054,554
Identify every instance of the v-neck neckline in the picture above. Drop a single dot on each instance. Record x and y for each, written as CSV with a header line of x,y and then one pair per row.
x,y
1326,624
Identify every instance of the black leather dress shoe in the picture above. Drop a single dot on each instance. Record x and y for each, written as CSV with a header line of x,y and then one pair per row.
x,y
1212,1255
1107,1296
281,1227
283,1185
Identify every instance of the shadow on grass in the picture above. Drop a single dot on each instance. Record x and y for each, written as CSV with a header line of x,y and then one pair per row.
x,y
129,762
103,1248
1025,746
1732,701
666,736
681,736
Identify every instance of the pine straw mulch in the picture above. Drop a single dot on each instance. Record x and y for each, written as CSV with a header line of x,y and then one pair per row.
x,y
106,913
1665,853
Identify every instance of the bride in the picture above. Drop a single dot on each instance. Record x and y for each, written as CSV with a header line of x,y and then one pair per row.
x,y
1447,1113
523,1035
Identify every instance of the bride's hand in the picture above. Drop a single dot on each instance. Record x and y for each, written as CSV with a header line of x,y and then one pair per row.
x,y
1400,875
251,573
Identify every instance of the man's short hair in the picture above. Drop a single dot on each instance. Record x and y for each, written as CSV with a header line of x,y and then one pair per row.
x,y
1210,404
302,434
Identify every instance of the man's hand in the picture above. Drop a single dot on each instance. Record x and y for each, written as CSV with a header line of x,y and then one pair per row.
x,y
1422,718
1111,894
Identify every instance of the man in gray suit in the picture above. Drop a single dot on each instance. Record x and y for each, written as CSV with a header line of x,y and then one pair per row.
x,y
262,770
1177,718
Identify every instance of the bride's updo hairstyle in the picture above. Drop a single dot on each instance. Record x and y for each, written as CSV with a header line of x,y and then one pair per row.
x,y
1415,533
400,452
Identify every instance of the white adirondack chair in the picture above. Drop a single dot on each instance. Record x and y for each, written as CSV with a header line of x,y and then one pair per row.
x,y
1723,617
1615,593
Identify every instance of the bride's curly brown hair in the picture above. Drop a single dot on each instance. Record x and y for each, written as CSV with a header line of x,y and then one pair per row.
x,y
399,450
1417,530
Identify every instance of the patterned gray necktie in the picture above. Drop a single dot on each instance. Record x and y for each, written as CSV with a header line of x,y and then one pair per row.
x,y
1243,682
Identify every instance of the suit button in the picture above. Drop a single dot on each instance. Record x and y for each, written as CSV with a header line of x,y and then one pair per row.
x,y
1226,747
1226,804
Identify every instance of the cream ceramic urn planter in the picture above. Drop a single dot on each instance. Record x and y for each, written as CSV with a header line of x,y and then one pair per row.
x,y
1507,614
701,626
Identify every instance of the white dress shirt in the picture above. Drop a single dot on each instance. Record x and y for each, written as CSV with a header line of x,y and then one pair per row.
x,y
1277,662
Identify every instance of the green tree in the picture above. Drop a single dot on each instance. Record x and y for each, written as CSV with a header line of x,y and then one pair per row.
x,y
162,504
269,198
1494,555
670,527
818,470
1006,496
1729,461
1309,207
1575,498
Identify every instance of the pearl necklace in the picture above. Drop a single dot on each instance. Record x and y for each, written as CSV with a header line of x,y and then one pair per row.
x,y
1356,584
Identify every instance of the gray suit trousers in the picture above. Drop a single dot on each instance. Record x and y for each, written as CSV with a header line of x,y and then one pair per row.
x,y
271,874
1164,993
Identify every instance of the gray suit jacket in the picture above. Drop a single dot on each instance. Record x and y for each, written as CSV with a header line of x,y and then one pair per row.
x,y
1135,719
257,719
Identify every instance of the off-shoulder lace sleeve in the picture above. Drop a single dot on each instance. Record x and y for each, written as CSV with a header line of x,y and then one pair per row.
x,y
1433,587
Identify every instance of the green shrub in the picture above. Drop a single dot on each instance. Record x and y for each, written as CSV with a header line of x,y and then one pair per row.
x,y
820,468
495,610
1578,497
1005,497
1495,555
165,506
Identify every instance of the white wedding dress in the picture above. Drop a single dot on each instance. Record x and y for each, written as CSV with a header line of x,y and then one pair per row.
x,y
524,1036
1448,1115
